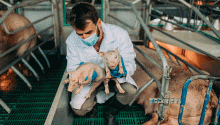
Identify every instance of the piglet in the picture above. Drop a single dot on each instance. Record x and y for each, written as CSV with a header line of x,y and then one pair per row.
x,y
77,78
112,60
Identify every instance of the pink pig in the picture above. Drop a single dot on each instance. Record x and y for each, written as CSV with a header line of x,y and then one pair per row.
x,y
112,59
77,78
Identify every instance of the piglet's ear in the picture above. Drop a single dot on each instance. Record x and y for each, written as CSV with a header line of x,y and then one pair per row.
x,y
116,50
102,54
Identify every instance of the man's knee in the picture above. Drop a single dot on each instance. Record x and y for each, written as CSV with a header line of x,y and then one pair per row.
x,y
130,91
82,111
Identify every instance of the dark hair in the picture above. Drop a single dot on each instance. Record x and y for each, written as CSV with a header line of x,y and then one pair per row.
x,y
81,12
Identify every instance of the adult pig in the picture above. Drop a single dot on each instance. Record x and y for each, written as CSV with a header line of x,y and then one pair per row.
x,y
15,21
195,96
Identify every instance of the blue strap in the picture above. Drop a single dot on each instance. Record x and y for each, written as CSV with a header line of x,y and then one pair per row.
x,y
94,75
115,73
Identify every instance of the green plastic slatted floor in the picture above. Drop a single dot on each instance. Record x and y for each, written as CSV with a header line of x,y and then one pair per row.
x,y
133,115
30,107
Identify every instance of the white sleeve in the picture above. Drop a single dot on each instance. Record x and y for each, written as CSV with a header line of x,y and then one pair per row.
x,y
126,50
72,56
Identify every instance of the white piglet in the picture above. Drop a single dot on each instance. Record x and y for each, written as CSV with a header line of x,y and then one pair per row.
x,y
112,60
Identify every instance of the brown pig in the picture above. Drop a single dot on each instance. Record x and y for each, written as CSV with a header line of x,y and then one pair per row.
x,y
15,21
77,78
194,100
112,60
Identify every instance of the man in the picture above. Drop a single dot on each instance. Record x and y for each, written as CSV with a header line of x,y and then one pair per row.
x,y
90,36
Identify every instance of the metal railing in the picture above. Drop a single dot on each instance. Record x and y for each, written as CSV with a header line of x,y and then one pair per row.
x,y
55,26
163,86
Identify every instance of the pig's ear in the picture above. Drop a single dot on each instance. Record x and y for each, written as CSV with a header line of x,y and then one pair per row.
x,y
116,50
102,53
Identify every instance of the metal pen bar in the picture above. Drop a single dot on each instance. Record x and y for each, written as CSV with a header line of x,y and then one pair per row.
x,y
5,106
140,90
170,57
187,28
202,17
120,21
149,73
186,44
148,57
217,113
30,24
32,70
45,57
206,102
18,45
17,60
36,59
186,63
23,4
185,89
22,77
5,3
165,77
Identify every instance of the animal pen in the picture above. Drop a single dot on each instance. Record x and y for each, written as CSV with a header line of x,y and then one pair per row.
x,y
47,100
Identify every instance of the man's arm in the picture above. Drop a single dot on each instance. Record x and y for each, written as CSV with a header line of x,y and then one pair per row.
x,y
126,50
72,57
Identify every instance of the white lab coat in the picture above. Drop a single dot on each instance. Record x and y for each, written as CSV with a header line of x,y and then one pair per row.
x,y
77,52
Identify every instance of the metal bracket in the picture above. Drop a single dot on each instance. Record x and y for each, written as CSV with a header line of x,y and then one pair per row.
x,y
166,100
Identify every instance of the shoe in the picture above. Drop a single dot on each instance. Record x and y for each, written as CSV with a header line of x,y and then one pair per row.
x,y
112,109
94,112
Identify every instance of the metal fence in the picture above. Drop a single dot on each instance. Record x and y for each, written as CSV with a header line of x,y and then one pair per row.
x,y
144,19
56,37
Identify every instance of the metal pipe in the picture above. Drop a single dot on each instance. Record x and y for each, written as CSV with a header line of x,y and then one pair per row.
x,y
186,63
120,21
4,105
149,73
184,92
17,60
27,3
148,57
165,76
5,3
30,24
22,77
206,102
217,113
187,28
38,62
202,17
32,70
18,45
140,90
186,43
45,57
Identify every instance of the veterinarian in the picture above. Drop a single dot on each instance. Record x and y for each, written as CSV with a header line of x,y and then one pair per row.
x,y
89,37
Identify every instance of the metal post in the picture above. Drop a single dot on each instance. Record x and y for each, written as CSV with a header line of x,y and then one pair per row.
x,y
4,105
22,77
32,70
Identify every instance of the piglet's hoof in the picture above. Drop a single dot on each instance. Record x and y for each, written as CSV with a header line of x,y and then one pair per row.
x,y
121,71
122,91
108,77
107,91
87,96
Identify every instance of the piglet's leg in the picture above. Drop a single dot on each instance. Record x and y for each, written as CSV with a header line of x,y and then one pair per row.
x,y
120,67
94,86
106,86
118,85
107,70
72,86
79,89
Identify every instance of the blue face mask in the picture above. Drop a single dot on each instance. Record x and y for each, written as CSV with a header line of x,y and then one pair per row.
x,y
90,41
